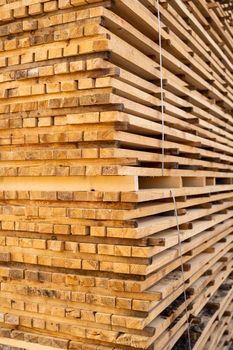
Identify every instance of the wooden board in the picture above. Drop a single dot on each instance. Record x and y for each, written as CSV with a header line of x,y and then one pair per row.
x,y
116,174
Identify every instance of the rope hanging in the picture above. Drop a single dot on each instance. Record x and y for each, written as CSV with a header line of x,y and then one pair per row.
x,y
163,153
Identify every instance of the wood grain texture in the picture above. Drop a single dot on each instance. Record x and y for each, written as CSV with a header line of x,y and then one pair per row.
x,y
90,253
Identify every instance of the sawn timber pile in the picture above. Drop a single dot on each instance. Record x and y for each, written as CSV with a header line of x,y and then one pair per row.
x,y
115,196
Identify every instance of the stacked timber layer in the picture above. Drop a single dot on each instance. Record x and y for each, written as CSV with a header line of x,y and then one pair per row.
x,y
92,175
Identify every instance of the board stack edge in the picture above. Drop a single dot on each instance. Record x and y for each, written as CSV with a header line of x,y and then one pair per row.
x,y
116,197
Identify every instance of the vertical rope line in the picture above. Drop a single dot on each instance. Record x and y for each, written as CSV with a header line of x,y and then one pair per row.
x,y
163,153
182,267
161,82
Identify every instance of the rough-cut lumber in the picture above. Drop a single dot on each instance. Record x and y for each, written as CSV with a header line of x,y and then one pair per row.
x,y
116,191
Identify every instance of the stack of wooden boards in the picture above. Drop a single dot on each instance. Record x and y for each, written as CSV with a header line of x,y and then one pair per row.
x,y
115,196
228,8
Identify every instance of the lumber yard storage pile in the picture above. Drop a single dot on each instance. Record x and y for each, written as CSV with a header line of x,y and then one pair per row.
x,y
116,174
